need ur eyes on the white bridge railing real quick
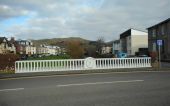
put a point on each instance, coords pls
(80, 64)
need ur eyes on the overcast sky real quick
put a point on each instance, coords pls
(89, 19)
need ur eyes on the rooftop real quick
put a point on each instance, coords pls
(132, 31)
(165, 21)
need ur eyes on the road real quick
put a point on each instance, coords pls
(102, 89)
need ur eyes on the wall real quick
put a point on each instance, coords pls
(138, 41)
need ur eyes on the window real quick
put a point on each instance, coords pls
(163, 30)
(154, 33)
(153, 47)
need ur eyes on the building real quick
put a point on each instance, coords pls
(116, 47)
(52, 50)
(42, 50)
(160, 31)
(30, 50)
(25, 47)
(131, 40)
(25, 42)
(106, 50)
(6, 46)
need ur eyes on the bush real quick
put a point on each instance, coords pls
(7, 61)
(51, 57)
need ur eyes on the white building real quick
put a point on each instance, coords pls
(52, 50)
(106, 50)
(25, 42)
(6, 46)
(131, 40)
(30, 50)
(116, 47)
(42, 50)
(25, 47)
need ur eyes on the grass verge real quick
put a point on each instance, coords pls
(7, 72)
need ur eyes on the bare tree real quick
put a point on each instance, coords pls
(99, 44)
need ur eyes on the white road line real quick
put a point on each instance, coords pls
(15, 89)
(98, 83)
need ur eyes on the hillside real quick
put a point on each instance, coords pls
(59, 41)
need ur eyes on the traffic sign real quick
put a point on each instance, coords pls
(159, 42)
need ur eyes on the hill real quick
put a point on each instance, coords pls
(59, 41)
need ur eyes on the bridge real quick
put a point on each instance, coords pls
(81, 64)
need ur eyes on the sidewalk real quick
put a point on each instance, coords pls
(5, 76)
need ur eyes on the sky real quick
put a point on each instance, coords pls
(89, 19)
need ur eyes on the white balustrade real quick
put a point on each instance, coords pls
(80, 64)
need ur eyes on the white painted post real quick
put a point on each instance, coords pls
(21, 66)
(143, 62)
(43, 64)
(110, 63)
(40, 68)
(113, 63)
(137, 62)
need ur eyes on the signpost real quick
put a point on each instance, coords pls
(159, 43)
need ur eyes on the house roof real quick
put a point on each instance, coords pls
(131, 31)
(8, 42)
(2, 39)
(165, 21)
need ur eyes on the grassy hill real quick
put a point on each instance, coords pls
(59, 41)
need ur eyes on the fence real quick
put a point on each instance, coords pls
(80, 64)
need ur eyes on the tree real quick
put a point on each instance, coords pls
(75, 49)
(91, 51)
(99, 45)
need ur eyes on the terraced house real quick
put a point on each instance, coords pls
(160, 31)
(6, 46)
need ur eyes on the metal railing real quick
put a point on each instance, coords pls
(80, 64)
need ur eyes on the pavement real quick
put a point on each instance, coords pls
(32, 74)
(135, 88)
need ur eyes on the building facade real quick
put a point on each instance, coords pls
(25, 47)
(51, 50)
(42, 50)
(30, 50)
(116, 47)
(6, 46)
(106, 50)
(160, 31)
(131, 40)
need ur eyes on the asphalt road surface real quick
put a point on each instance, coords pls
(104, 89)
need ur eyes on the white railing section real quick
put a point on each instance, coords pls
(80, 64)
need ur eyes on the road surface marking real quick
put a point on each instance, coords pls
(82, 74)
(15, 89)
(98, 83)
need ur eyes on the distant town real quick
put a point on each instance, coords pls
(132, 43)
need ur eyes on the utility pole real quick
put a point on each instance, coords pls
(159, 43)
(159, 56)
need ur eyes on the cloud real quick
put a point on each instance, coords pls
(89, 19)
(8, 12)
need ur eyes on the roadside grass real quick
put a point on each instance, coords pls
(7, 71)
